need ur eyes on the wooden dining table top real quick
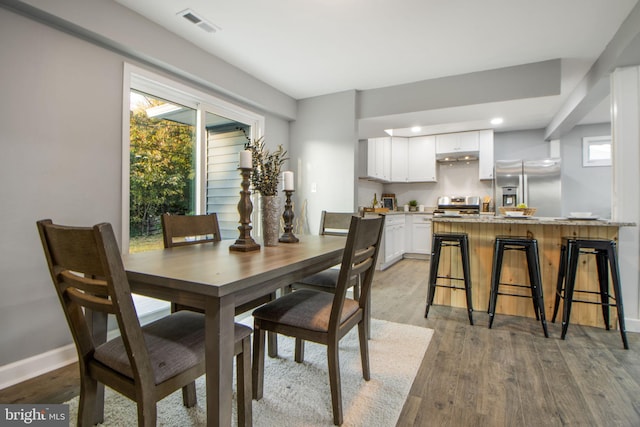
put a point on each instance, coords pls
(211, 269)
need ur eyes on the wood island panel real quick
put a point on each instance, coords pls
(482, 232)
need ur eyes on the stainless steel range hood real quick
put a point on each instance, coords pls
(468, 156)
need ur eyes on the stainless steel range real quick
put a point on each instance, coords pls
(463, 205)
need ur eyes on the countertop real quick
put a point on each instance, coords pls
(408, 213)
(490, 219)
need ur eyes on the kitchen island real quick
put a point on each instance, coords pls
(482, 231)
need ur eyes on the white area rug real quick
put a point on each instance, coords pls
(298, 394)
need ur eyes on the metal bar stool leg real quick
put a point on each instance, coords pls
(536, 285)
(433, 271)
(562, 268)
(603, 283)
(495, 279)
(570, 283)
(464, 253)
(617, 290)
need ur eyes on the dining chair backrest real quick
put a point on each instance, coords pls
(359, 259)
(181, 230)
(88, 273)
(335, 223)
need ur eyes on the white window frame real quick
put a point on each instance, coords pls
(589, 141)
(137, 78)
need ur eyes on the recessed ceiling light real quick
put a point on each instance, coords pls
(497, 121)
(416, 129)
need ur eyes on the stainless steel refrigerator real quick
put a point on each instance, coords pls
(533, 182)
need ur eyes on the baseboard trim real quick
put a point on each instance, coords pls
(632, 325)
(31, 367)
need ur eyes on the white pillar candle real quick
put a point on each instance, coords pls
(245, 159)
(287, 180)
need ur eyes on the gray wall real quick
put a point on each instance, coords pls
(526, 145)
(324, 152)
(584, 189)
(61, 141)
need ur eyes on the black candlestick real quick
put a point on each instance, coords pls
(287, 215)
(245, 242)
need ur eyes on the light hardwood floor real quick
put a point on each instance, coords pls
(473, 376)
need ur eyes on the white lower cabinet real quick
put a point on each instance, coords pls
(404, 235)
(419, 234)
(393, 241)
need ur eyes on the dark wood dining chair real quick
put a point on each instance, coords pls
(182, 230)
(324, 317)
(145, 363)
(331, 224)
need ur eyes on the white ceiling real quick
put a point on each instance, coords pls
(316, 47)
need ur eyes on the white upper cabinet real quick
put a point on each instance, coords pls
(383, 158)
(485, 156)
(422, 159)
(375, 158)
(399, 159)
(457, 142)
(413, 159)
(402, 159)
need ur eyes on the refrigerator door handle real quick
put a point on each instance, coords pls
(524, 196)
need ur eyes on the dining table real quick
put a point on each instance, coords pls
(216, 279)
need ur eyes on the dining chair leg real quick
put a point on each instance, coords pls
(243, 378)
(87, 404)
(367, 316)
(273, 344)
(147, 414)
(364, 349)
(257, 368)
(189, 398)
(334, 381)
(299, 350)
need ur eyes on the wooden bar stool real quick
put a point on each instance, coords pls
(606, 262)
(530, 248)
(461, 241)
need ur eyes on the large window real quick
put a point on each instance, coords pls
(162, 168)
(180, 155)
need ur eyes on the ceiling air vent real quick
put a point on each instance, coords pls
(199, 21)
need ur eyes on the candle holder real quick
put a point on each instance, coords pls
(245, 242)
(287, 215)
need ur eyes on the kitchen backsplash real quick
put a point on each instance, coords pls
(457, 179)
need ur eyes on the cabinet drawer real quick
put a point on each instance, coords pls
(394, 220)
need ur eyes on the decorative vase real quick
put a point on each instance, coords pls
(270, 220)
